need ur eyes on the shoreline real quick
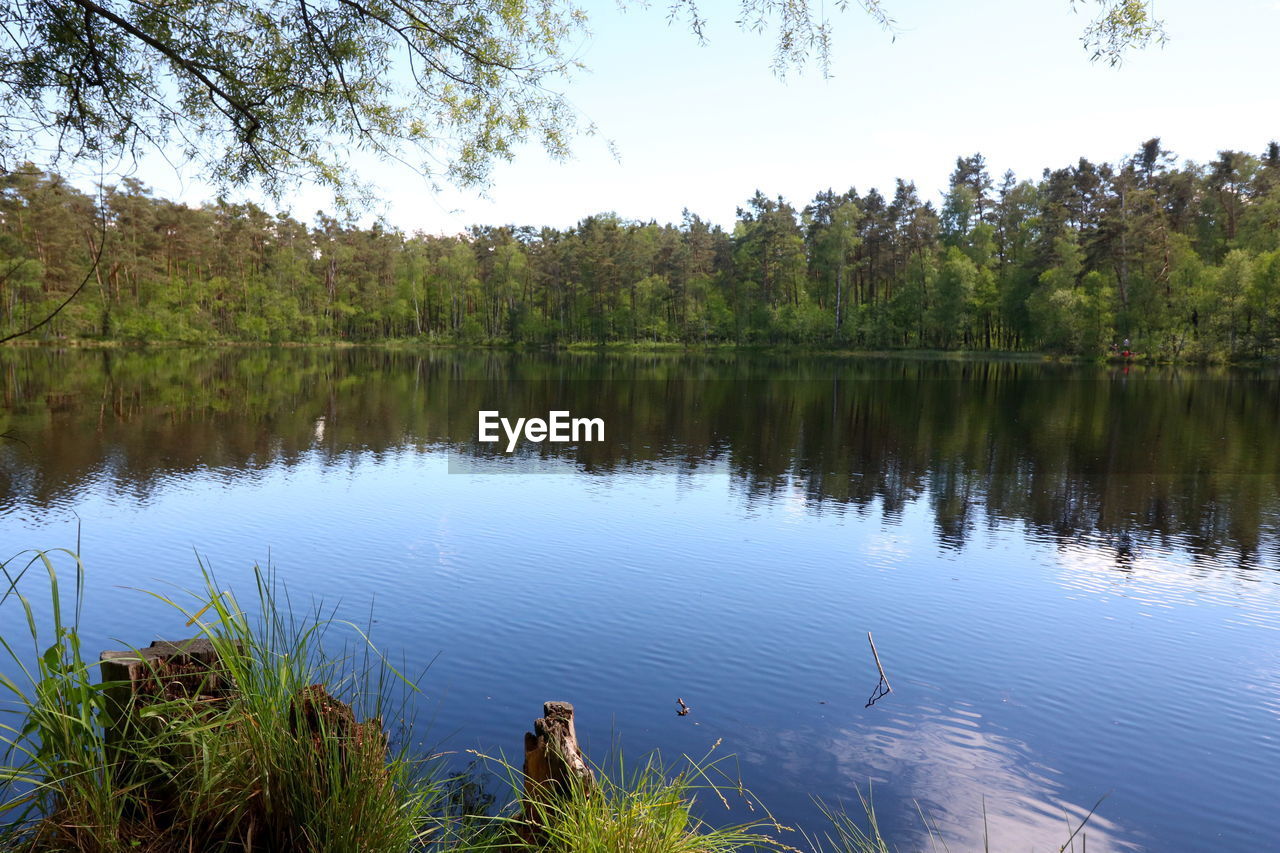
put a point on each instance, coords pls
(632, 348)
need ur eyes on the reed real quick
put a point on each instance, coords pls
(56, 779)
(634, 807)
(296, 758)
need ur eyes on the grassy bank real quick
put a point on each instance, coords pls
(283, 746)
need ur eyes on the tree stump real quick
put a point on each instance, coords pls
(186, 673)
(554, 766)
(164, 671)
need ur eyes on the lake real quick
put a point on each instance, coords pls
(1070, 572)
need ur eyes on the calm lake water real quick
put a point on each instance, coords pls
(1071, 574)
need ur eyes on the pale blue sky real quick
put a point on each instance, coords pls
(703, 127)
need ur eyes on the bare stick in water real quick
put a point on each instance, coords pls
(876, 655)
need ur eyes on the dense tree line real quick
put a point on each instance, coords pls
(1183, 261)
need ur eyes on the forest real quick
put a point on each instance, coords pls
(1171, 261)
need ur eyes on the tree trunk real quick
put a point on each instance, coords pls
(839, 294)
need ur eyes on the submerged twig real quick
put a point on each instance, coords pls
(882, 686)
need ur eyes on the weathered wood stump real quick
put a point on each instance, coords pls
(554, 766)
(187, 673)
(164, 671)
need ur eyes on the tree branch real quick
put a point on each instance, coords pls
(182, 62)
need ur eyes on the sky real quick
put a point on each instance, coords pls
(703, 127)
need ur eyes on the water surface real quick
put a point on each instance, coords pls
(1070, 573)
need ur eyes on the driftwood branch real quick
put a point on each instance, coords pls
(876, 655)
(882, 686)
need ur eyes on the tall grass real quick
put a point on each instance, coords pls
(845, 834)
(301, 760)
(645, 807)
(55, 769)
(296, 758)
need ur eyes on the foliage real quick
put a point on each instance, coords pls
(1180, 261)
(277, 91)
(1121, 25)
